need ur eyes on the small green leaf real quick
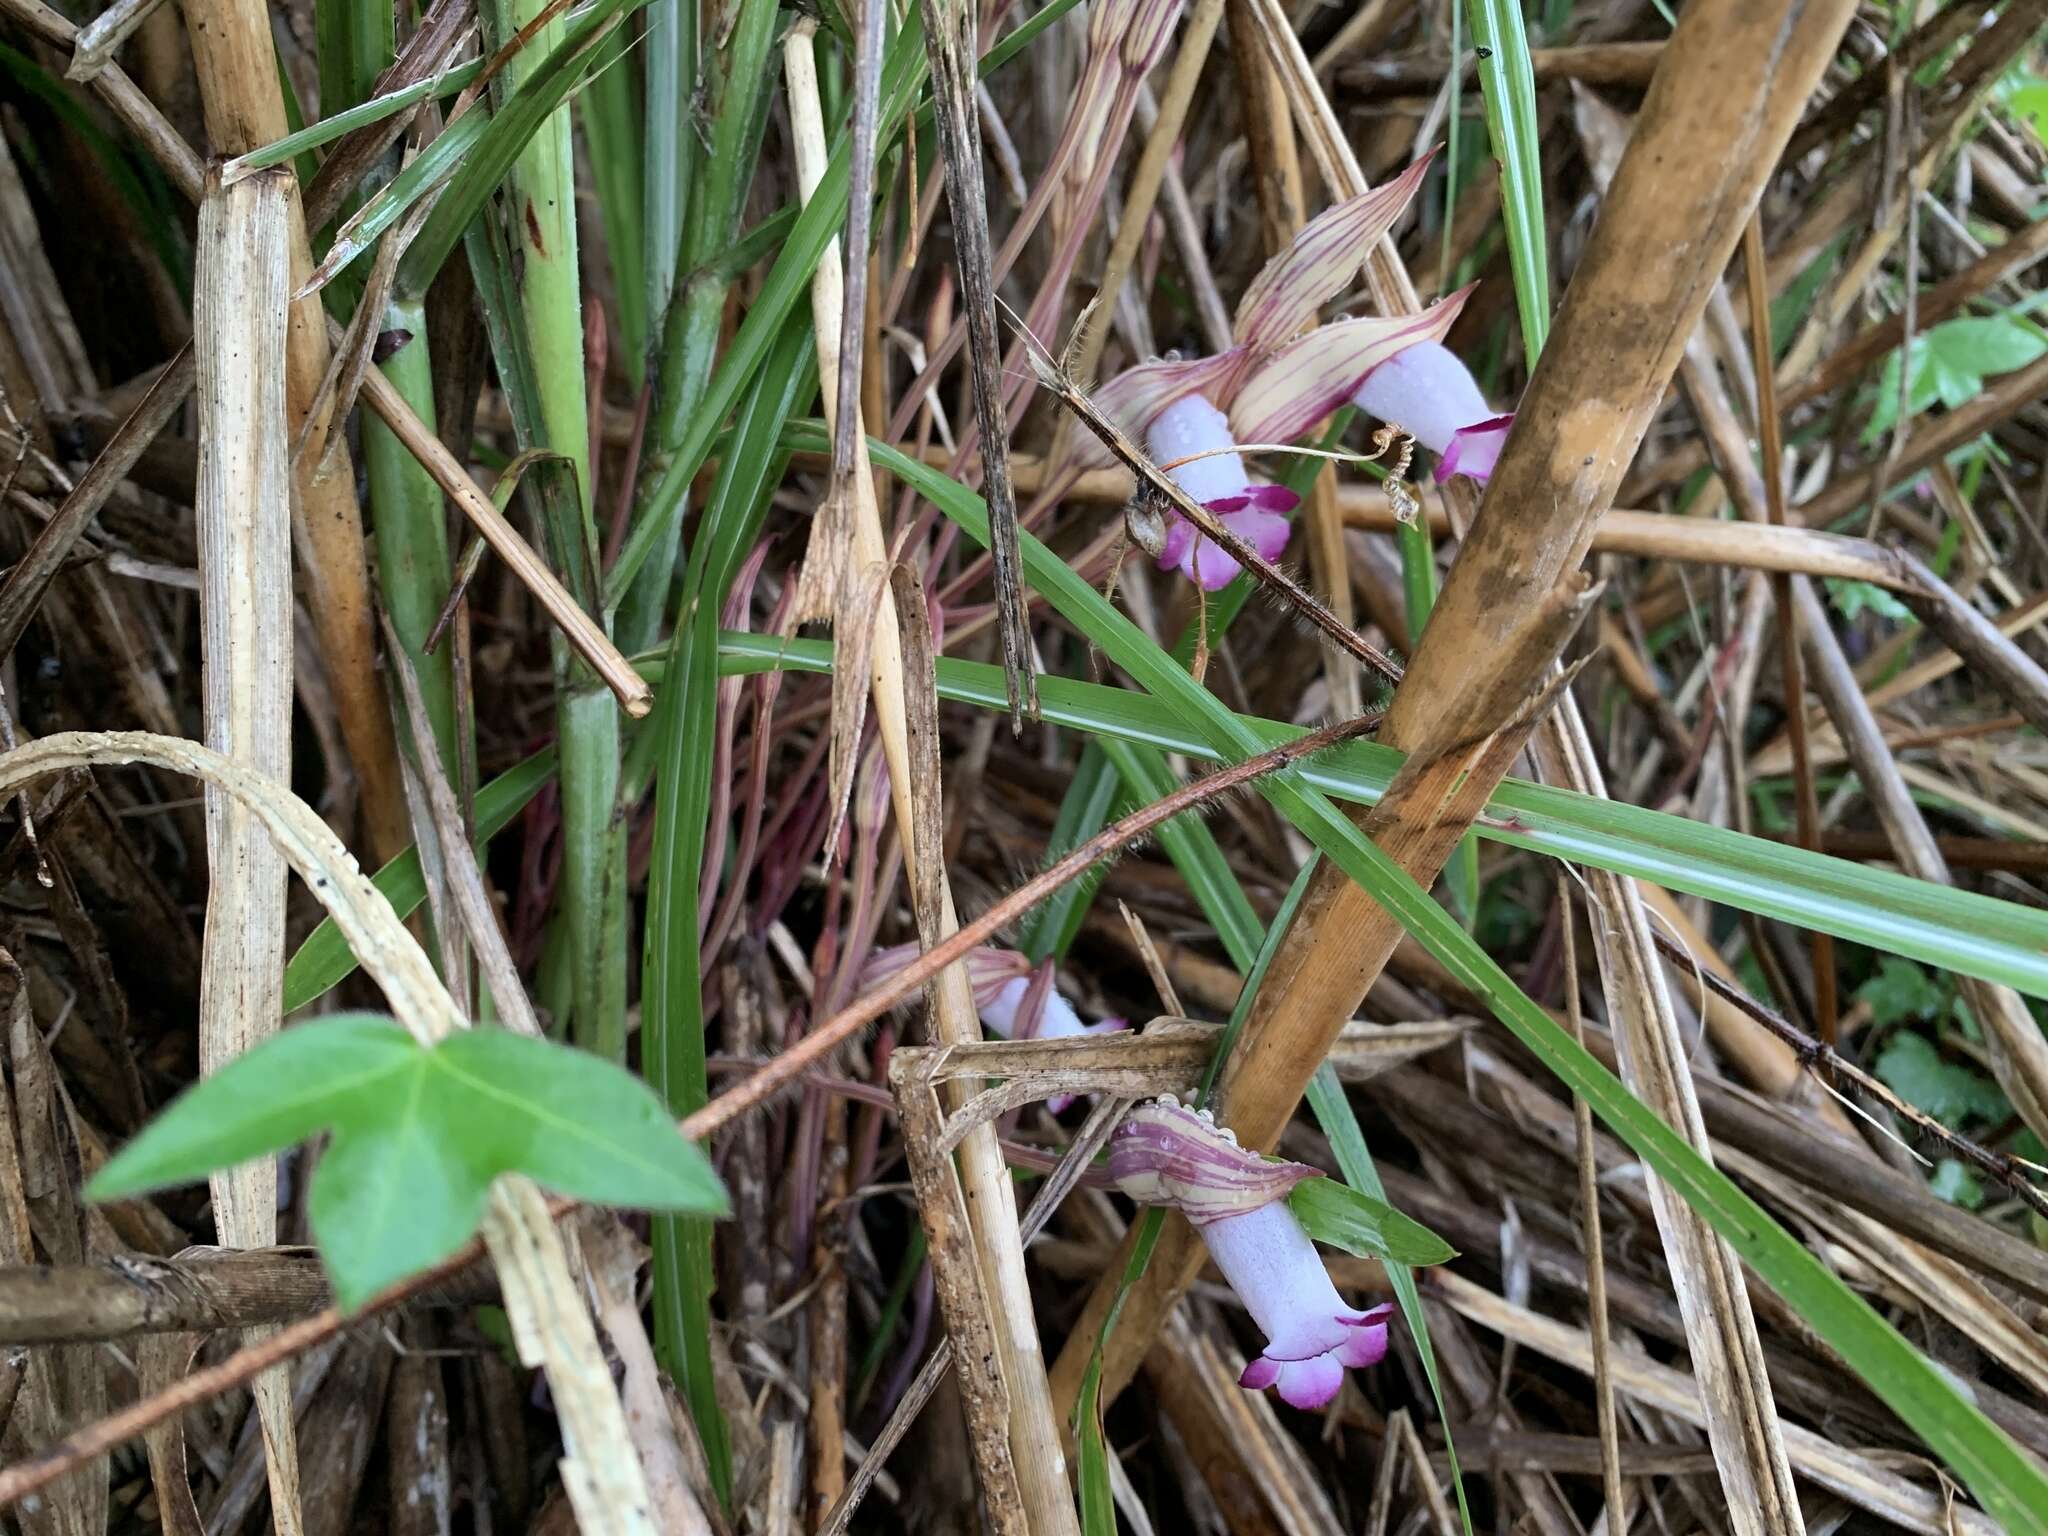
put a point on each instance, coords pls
(1333, 1212)
(418, 1134)
(574, 1122)
(1914, 1070)
(393, 1193)
(263, 1101)
(1853, 597)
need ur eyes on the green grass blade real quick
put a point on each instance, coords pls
(1332, 1109)
(736, 101)
(1094, 792)
(324, 960)
(609, 110)
(1508, 81)
(672, 1017)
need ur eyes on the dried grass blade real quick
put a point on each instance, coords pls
(245, 574)
(949, 27)
(1035, 1441)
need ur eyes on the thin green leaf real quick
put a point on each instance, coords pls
(1507, 80)
(1332, 1212)
(324, 960)
(1332, 1108)
(1958, 930)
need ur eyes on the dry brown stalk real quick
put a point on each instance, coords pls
(949, 35)
(1614, 64)
(582, 632)
(197, 1292)
(1512, 597)
(1864, 1481)
(245, 574)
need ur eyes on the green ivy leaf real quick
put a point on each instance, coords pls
(418, 1134)
(1853, 597)
(1332, 1212)
(1956, 1184)
(1949, 362)
(1900, 991)
(1913, 1069)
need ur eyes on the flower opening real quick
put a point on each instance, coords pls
(1164, 1154)
(1430, 394)
(1188, 426)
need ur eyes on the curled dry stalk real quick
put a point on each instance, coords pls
(410, 986)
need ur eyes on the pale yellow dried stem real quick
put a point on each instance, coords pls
(1035, 1445)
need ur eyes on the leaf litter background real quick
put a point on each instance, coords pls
(622, 282)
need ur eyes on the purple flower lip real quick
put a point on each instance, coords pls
(1164, 1154)
(1475, 449)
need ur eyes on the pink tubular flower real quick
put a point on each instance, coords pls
(1164, 1154)
(1016, 1000)
(1426, 391)
(1274, 382)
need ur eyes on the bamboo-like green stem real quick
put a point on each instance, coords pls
(540, 206)
(706, 211)
(411, 527)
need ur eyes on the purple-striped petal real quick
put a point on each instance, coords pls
(1164, 1154)
(1320, 262)
(1134, 397)
(1297, 386)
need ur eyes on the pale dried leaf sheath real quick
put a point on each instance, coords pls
(984, 1179)
(236, 64)
(550, 1323)
(101, 38)
(245, 587)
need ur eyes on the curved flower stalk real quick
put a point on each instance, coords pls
(1272, 384)
(1016, 1000)
(1165, 1154)
(1432, 396)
